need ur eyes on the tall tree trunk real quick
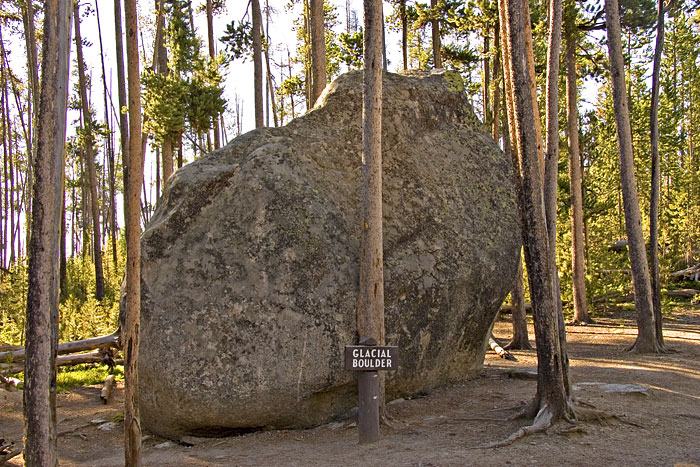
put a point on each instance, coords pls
(646, 337)
(43, 291)
(121, 81)
(161, 67)
(581, 315)
(496, 123)
(133, 177)
(486, 83)
(437, 55)
(32, 71)
(110, 151)
(370, 307)
(404, 33)
(270, 86)
(89, 152)
(656, 178)
(533, 82)
(212, 54)
(318, 49)
(552, 168)
(551, 400)
(520, 338)
(257, 62)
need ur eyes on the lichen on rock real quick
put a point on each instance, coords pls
(250, 263)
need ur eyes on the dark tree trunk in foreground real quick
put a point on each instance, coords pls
(656, 179)
(646, 337)
(581, 315)
(133, 177)
(257, 62)
(370, 306)
(318, 50)
(89, 153)
(520, 338)
(43, 291)
(551, 400)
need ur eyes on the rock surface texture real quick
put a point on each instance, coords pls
(250, 264)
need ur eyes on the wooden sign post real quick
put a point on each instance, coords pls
(368, 358)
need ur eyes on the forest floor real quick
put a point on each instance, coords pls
(659, 415)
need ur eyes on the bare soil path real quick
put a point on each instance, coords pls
(660, 416)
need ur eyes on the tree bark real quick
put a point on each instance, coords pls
(121, 81)
(89, 153)
(43, 291)
(656, 178)
(133, 176)
(110, 151)
(437, 55)
(257, 62)
(404, 33)
(581, 315)
(520, 340)
(212, 54)
(32, 71)
(551, 400)
(318, 50)
(646, 337)
(370, 306)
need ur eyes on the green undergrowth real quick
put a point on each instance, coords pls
(85, 375)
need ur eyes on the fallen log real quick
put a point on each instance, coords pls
(500, 351)
(66, 360)
(683, 293)
(111, 340)
(692, 273)
(107, 387)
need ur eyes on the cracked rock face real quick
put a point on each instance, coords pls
(250, 264)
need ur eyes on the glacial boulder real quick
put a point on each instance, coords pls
(250, 263)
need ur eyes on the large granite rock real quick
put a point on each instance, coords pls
(250, 263)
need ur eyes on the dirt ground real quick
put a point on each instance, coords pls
(659, 416)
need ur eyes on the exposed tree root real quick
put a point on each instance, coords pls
(9, 450)
(573, 413)
(543, 420)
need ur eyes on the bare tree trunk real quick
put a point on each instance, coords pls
(110, 151)
(581, 315)
(656, 178)
(404, 33)
(212, 54)
(133, 177)
(437, 55)
(318, 49)
(121, 80)
(551, 401)
(370, 307)
(486, 83)
(43, 291)
(257, 62)
(520, 340)
(496, 123)
(89, 152)
(32, 71)
(646, 337)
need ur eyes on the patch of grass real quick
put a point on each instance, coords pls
(85, 375)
